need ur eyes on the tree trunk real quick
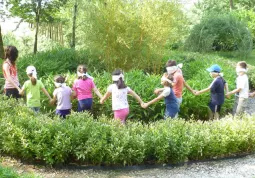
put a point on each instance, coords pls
(231, 4)
(37, 24)
(1, 45)
(74, 24)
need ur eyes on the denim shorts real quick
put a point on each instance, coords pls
(85, 104)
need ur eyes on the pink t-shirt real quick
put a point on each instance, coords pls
(179, 82)
(83, 88)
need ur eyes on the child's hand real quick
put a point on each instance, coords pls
(194, 92)
(157, 91)
(252, 94)
(145, 105)
(228, 94)
(52, 102)
(101, 101)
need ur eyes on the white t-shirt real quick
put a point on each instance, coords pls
(63, 95)
(166, 91)
(243, 83)
(119, 97)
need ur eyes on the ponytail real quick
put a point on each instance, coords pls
(118, 79)
(32, 79)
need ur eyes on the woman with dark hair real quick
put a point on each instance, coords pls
(119, 91)
(11, 86)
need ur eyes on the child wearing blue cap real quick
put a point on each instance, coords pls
(217, 91)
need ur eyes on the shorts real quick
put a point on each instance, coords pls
(214, 108)
(85, 104)
(121, 114)
(63, 112)
(12, 92)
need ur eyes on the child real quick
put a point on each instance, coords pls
(172, 107)
(178, 81)
(217, 91)
(83, 87)
(12, 86)
(32, 88)
(62, 95)
(242, 89)
(119, 92)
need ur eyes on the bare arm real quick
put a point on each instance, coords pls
(159, 97)
(188, 87)
(97, 92)
(46, 93)
(233, 91)
(9, 78)
(131, 92)
(226, 87)
(158, 90)
(107, 95)
(203, 91)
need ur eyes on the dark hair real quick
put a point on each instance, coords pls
(82, 69)
(33, 80)
(59, 79)
(169, 77)
(120, 83)
(243, 64)
(11, 53)
(171, 63)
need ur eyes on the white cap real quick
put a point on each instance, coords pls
(32, 70)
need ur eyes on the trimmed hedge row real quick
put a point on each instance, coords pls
(83, 140)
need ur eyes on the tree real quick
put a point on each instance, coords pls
(1, 45)
(130, 34)
(35, 11)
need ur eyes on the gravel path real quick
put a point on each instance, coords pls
(227, 168)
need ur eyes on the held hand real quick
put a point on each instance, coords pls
(52, 102)
(145, 105)
(194, 92)
(101, 101)
(252, 94)
(20, 91)
(157, 91)
(228, 94)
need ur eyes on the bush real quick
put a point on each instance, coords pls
(57, 61)
(220, 32)
(81, 139)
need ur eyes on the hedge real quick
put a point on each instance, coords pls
(84, 140)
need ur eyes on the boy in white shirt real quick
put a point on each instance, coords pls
(242, 89)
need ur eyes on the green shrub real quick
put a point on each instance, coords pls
(220, 32)
(81, 139)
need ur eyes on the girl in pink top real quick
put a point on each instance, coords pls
(83, 88)
(119, 91)
(11, 86)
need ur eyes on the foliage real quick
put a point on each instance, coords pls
(141, 82)
(130, 34)
(81, 139)
(27, 10)
(220, 32)
(10, 173)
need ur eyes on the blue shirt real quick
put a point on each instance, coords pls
(217, 91)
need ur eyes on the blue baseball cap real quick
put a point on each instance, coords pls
(214, 68)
